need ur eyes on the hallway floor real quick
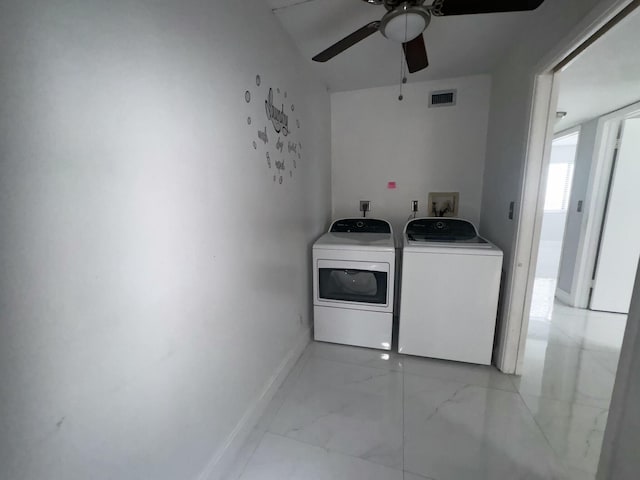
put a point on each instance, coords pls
(353, 413)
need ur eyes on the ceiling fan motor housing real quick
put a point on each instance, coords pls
(405, 22)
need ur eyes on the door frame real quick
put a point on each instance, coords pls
(511, 346)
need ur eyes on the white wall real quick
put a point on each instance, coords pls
(377, 139)
(619, 459)
(152, 273)
(575, 219)
(619, 247)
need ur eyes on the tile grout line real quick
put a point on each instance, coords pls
(355, 363)
(432, 377)
(329, 450)
(266, 427)
(544, 435)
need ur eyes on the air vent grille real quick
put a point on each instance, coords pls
(443, 98)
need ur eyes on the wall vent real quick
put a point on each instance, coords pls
(443, 98)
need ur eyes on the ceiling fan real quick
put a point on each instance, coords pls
(405, 21)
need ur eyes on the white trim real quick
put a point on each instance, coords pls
(510, 346)
(603, 151)
(530, 226)
(223, 458)
(567, 132)
(563, 296)
(590, 24)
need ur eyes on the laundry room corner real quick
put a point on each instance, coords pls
(392, 152)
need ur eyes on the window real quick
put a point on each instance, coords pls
(560, 176)
(558, 187)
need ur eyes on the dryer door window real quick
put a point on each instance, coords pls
(352, 285)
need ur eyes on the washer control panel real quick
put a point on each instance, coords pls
(360, 225)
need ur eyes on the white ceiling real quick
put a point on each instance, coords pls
(456, 45)
(604, 78)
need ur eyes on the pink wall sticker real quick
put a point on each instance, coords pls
(391, 185)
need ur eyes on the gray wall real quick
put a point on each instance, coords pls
(153, 275)
(550, 244)
(573, 229)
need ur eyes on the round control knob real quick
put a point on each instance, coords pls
(359, 224)
(440, 225)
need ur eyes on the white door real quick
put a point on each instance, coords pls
(620, 242)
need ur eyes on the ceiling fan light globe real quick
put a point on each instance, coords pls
(405, 27)
(405, 22)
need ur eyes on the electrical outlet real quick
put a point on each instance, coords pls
(365, 205)
(414, 206)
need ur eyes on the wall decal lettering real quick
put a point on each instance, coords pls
(286, 146)
(279, 119)
(263, 135)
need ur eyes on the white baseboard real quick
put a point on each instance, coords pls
(225, 455)
(564, 297)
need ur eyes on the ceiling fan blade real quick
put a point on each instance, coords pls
(465, 7)
(348, 41)
(415, 52)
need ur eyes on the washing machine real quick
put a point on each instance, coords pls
(353, 283)
(449, 291)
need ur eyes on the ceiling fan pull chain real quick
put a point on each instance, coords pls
(400, 97)
(403, 78)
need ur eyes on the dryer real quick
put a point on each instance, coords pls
(449, 291)
(353, 283)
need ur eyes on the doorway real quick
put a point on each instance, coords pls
(556, 204)
(577, 300)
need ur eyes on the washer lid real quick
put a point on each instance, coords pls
(443, 230)
(356, 241)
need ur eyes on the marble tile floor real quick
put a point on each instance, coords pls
(354, 413)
